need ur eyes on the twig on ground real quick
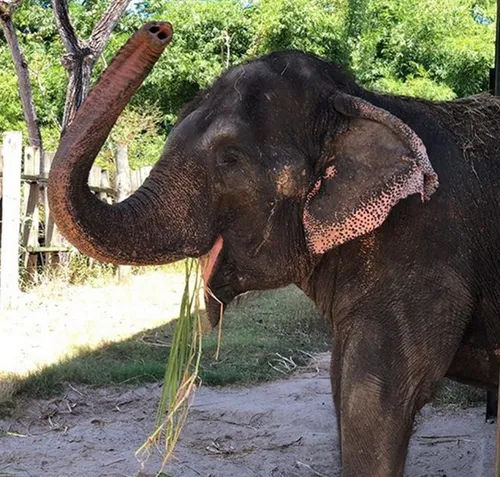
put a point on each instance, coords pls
(217, 448)
(283, 446)
(257, 416)
(314, 361)
(113, 462)
(154, 342)
(76, 390)
(431, 440)
(308, 467)
(122, 403)
(233, 423)
(4, 432)
(287, 363)
(194, 470)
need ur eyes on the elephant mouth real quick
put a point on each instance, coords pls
(218, 282)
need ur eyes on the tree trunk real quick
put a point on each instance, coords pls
(79, 69)
(123, 190)
(25, 91)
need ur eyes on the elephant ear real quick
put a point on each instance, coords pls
(377, 161)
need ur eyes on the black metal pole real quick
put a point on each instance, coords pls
(496, 91)
(492, 404)
(496, 84)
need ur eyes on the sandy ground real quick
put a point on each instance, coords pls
(282, 429)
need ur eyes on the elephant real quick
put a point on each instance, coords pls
(382, 209)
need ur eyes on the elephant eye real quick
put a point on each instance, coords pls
(228, 157)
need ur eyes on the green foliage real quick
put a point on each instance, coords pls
(42, 49)
(456, 395)
(141, 130)
(78, 269)
(315, 26)
(450, 42)
(418, 87)
(11, 117)
(435, 50)
(209, 37)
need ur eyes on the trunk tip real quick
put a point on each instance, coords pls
(159, 31)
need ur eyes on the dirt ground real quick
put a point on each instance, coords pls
(280, 429)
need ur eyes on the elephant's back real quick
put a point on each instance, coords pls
(474, 123)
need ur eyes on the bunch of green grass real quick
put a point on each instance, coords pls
(181, 374)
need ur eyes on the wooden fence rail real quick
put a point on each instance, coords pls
(26, 226)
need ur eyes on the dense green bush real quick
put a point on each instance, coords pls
(447, 44)
(435, 50)
(316, 26)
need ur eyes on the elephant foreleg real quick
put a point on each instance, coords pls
(380, 380)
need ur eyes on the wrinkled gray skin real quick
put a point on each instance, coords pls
(410, 301)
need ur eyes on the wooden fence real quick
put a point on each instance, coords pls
(26, 226)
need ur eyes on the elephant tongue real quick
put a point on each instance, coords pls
(209, 261)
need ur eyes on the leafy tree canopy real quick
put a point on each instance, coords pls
(425, 48)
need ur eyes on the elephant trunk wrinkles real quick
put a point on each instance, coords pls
(143, 229)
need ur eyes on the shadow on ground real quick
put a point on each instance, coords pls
(265, 336)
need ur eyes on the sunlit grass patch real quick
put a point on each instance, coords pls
(8, 387)
(57, 322)
(256, 331)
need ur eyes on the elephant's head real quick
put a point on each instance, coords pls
(278, 162)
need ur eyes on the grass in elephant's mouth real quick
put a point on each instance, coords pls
(264, 337)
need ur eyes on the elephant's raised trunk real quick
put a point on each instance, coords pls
(157, 223)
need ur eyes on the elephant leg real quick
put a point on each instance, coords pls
(381, 377)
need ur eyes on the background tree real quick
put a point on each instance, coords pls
(436, 50)
(7, 10)
(81, 55)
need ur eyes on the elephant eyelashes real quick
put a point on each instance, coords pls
(228, 160)
(229, 157)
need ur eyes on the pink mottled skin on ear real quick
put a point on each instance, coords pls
(373, 206)
(314, 190)
(322, 237)
(330, 172)
(367, 252)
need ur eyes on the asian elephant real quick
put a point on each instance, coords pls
(382, 209)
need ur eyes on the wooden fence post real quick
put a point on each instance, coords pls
(135, 179)
(30, 203)
(105, 185)
(123, 190)
(11, 204)
(52, 236)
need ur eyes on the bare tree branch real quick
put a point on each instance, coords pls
(80, 69)
(81, 54)
(7, 9)
(104, 27)
(64, 26)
